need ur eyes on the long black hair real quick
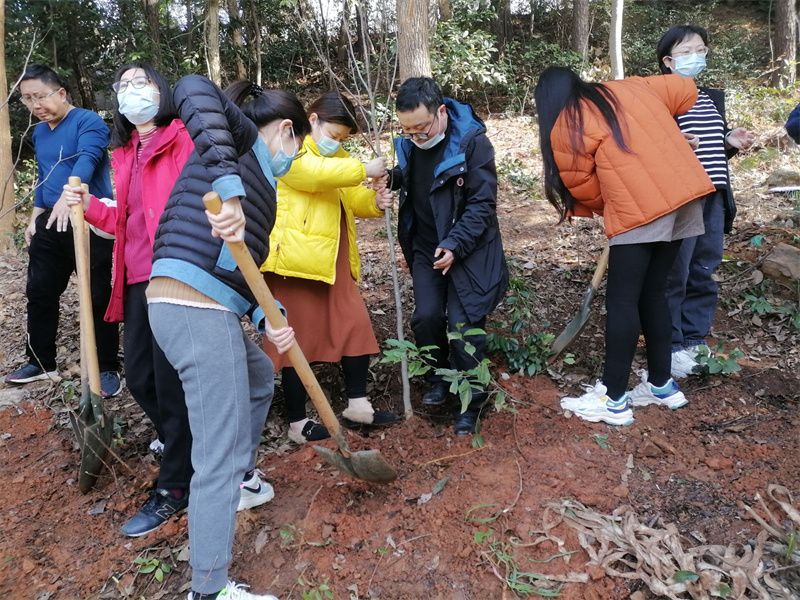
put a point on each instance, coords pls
(263, 106)
(332, 107)
(121, 128)
(561, 90)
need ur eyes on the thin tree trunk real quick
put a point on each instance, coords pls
(235, 23)
(615, 39)
(580, 28)
(785, 36)
(341, 44)
(412, 38)
(445, 10)
(212, 42)
(502, 23)
(256, 43)
(189, 27)
(6, 160)
(151, 16)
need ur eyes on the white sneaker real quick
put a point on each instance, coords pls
(683, 364)
(670, 395)
(255, 492)
(596, 406)
(235, 591)
(157, 448)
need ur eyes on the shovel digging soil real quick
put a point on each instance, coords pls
(92, 427)
(578, 322)
(368, 465)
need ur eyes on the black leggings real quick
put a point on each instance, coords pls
(636, 301)
(355, 370)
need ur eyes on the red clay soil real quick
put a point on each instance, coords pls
(693, 467)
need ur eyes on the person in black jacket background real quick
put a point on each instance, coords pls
(448, 231)
(197, 297)
(691, 289)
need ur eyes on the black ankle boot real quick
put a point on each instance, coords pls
(436, 395)
(467, 421)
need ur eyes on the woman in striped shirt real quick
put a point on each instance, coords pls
(691, 289)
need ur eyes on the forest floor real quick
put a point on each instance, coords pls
(467, 518)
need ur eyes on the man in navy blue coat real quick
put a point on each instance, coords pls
(448, 231)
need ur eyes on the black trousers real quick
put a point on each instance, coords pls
(50, 265)
(437, 310)
(355, 370)
(155, 385)
(636, 301)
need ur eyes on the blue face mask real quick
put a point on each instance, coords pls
(281, 162)
(328, 146)
(690, 65)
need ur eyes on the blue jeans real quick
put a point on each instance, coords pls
(691, 290)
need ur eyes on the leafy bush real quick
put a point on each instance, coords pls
(463, 60)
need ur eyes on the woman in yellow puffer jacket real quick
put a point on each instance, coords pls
(313, 264)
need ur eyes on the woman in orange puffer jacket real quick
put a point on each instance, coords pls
(614, 149)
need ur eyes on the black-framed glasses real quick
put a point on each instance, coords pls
(29, 100)
(421, 137)
(136, 83)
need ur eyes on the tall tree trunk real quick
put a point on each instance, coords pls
(341, 45)
(6, 160)
(151, 16)
(188, 6)
(615, 39)
(255, 46)
(412, 38)
(502, 22)
(212, 42)
(580, 28)
(84, 86)
(785, 43)
(445, 10)
(235, 23)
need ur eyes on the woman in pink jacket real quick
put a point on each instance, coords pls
(150, 146)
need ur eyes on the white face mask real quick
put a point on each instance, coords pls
(139, 106)
(429, 143)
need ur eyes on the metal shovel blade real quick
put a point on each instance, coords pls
(95, 442)
(576, 325)
(368, 465)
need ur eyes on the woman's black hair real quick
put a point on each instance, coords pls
(675, 35)
(263, 106)
(121, 128)
(561, 90)
(47, 76)
(332, 107)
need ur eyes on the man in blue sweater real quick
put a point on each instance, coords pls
(68, 141)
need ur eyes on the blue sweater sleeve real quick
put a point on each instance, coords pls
(793, 124)
(92, 135)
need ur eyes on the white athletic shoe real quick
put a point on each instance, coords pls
(235, 591)
(683, 364)
(255, 492)
(670, 395)
(596, 406)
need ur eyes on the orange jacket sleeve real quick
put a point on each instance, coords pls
(678, 93)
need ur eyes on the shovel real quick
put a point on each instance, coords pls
(578, 322)
(92, 428)
(368, 465)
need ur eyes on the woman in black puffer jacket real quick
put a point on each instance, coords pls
(197, 297)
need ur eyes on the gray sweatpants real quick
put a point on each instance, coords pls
(228, 383)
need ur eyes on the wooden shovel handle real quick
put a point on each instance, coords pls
(88, 340)
(602, 265)
(255, 281)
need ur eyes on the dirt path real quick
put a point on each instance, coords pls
(694, 467)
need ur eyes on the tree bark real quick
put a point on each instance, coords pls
(235, 23)
(445, 10)
(341, 44)
(212, 42)
(6, 160)
(412, 39)
(615, 39)
(785, 43)
(255, 46)
(580, 28)
(502, 22)
(189, 27)
(151, 16)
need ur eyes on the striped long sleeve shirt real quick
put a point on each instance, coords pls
(704, 121)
